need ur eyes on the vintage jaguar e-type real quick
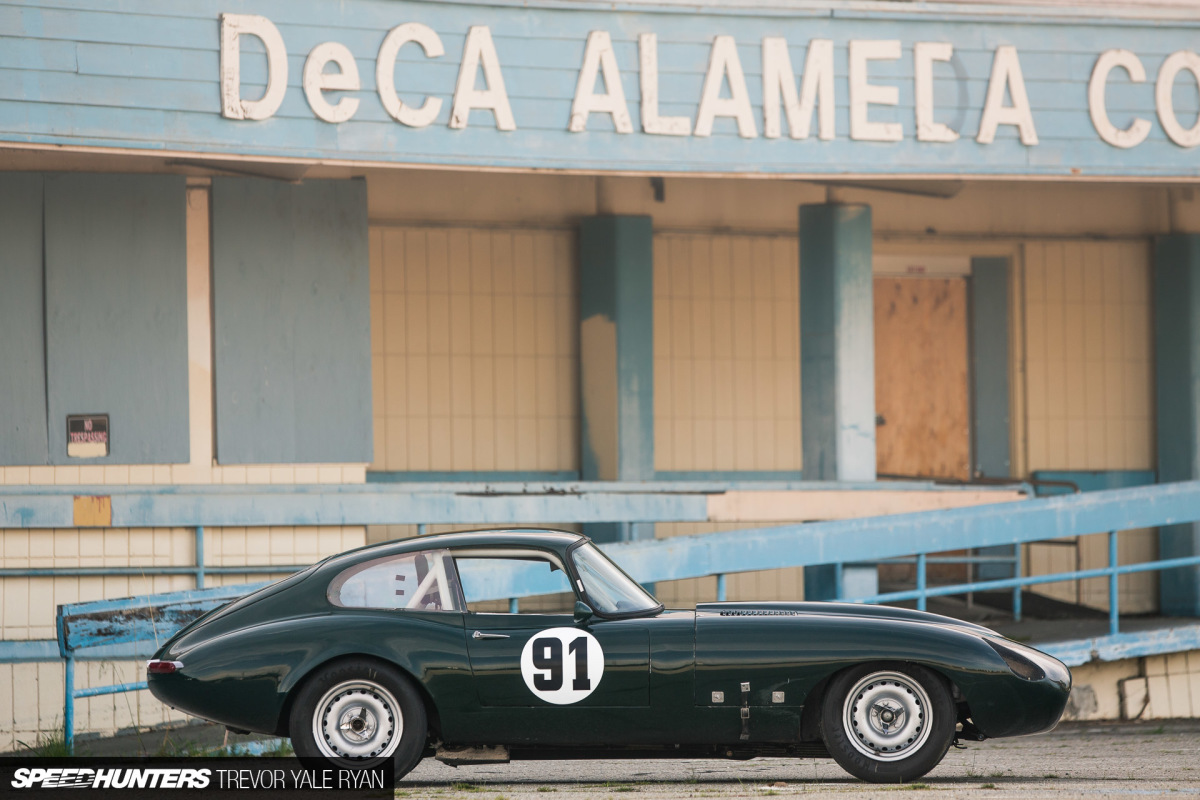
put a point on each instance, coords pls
(394, 651)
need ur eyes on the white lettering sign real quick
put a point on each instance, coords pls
(480, 52)
(651, 121)
(863, 94)
(1139, 129)
(316, 81)
(780, 82)
(723, 64)
(385, 73)
(1006, 75)
(599, 58)
(1163, 99)
(924, 54)
(233, 27)
(331, 67)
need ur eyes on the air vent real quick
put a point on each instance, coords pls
(760, 613)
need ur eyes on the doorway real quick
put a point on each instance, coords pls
(922, 397)
(922, 401)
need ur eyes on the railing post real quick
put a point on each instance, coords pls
(512, 605)
(1114, 613)
(921, 581)
(1018, 568)
(69, 704)
(199, 556)
(721, 587)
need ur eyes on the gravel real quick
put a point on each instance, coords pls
(1076, 760)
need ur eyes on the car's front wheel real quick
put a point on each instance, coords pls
(358, 714)
(888, 723)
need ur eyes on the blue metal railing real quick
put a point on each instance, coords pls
(719, 554)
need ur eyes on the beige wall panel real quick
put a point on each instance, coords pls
(475, 365)
(726, 352)
(1089, 356)
(1089, 389)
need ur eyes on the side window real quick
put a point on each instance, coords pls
(487, 582)
(420, 581)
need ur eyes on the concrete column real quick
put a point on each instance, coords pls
(616, 357)
(990, 436)
(1177, 383)
(837, 355)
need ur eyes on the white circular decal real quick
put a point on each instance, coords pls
(562, 665)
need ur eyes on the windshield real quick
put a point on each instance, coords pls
(609, 590)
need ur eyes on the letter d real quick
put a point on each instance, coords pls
(232, 104)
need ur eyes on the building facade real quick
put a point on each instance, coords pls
(253, 244)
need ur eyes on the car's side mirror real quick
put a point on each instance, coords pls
(583, 612)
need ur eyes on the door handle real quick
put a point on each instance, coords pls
(482, 635)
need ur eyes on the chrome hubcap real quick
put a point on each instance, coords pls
(887, 716)
(357, 719)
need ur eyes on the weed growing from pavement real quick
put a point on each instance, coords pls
(49, 745)
(988, 786)
(918, 786)
(462, 786)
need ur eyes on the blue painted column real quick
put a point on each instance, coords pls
(990, 439)
(616, 357)
(1177, 381)
(837, 355)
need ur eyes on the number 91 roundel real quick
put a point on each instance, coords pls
(562, 665)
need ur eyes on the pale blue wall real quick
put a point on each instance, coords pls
(144, 75)
(22, 342)
(116, 313)
(291, 321)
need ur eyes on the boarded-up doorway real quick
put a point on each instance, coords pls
(921, 391)
(921, 399)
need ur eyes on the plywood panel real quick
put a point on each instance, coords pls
(921, 377)
(291, 321)
(116, 313)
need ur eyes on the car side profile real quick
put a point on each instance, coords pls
(400, 651)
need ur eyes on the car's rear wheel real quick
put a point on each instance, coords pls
(888, 723)
(358, 714)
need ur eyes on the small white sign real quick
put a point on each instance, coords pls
(562, 665)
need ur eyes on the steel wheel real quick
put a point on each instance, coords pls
(888, 722)
(357, 719)
(888, 714)
(358, 713)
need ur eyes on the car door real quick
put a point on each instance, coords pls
(537, 654)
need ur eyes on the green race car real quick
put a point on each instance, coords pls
(400, 651)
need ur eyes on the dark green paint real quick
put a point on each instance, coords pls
(241, 663)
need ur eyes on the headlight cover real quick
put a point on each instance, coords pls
(1021, 663)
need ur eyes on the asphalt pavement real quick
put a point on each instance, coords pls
(1076, 760)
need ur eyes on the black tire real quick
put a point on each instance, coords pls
(383, 715)
(888, 722)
